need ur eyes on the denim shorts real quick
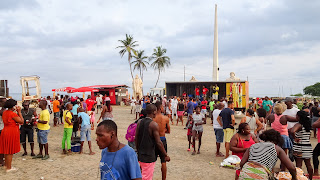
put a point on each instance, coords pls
(42, 136)
(85, 133)
(219, 135)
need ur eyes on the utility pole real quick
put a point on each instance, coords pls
(184, 72)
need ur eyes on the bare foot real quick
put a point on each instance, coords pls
(32, 154)
(198, 152)
(219, 154)
(64, 152)
(69, 152)
(193, 153)
(92, 153)
(24, 154)
(80, 152)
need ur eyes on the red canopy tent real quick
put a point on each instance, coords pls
(84, 89)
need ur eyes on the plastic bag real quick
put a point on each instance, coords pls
(232, 161)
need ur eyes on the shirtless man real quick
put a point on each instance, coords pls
(164, 127)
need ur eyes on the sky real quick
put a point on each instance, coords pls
(274, 44)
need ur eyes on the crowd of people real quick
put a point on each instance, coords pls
(270, 130)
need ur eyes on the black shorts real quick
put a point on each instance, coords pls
(23, 134)
(75, 123)
(99, 106)
(158, 152)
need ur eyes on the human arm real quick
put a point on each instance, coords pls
(233, 120)
(254, 138)
(270, 118)
(168, 129)
(136, 139)
(290, 118)
(18, 119)
(297, 127)
(243, 120)
(155, 132)
(219, 121)
(316, 124)
(260, 126)
(102, 113)
(234, 143)
(245, 158)
(68, 119)
(80, 122)
(287, 162)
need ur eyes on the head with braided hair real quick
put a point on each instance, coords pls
(304, 120)
(244, 129)
(273, 136)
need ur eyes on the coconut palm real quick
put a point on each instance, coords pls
(160, 61)
(140, 63)
(128, 46)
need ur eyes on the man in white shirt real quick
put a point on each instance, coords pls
(99, 102)
(174, 107)
(218, 129)
(290, 111)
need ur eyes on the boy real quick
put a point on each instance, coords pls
(43, 130)
(68, 126)
(84, 121)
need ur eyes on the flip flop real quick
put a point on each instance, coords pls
(193, 153)
(11, 170)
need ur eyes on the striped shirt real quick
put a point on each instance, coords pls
(264, 153)
(304, 145)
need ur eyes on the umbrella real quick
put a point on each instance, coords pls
(65, 89)
(84, 89)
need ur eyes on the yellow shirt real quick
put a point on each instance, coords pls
(44, 116)
(69, 115)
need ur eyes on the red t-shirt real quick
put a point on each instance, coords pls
(204, 91)
(90, 104)
(204, 103)
(184, 94)
(197, 91)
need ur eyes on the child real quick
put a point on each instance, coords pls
(92, 118)
(84, 120)
(189, 134)
(68, 127)
(198, 120)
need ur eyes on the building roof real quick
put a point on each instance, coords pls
(107, 86)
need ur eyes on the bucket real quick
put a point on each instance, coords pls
(75, 147)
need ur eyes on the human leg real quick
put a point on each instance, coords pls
(194, 133)
(8, 160)
(164, 170)
(309, 168)
(315, 160)
(23, 138)
(69, 134)
(199, 137)
(30, 140)
(228, 133)
(298, 162)
(219, 139)
(64, 139)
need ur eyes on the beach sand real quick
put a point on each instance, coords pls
(74, 167)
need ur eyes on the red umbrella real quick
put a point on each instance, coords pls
(85, 89)
(65, 89)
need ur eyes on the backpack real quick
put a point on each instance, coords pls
(131, 132)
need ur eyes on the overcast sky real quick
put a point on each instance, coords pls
(275, 43)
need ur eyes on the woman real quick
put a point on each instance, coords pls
(279, 123)
(242, 140)
(262, 157)
(316, 150)
(168, 110)
(262, 114)
(255, 124)
(180, 112)
(302, 149)
(106, 113)
(198, 120)
(10, 135)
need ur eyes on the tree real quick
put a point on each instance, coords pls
(140, 63)
(313, 90)
(160, 61)
(298, 95)
(128, 46)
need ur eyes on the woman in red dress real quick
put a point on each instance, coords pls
(10, 135)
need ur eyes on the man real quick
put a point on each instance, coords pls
(56, 110)
(211, 105)
(190, 108)
(164, 103)
(90, 103)
(227, 120)
(315, 114)
(68, 127)
(84, 120)
(99, 102)
(132, 104)
(224, 101)
(197, 92)
(2, 101)
(290, 111)
(49, 104)
(27, 127)
(43, 130)
(147, 138)
(218, 128)
(204, 91)
(164, 127)
(118, 161)
(267, 105)
(174, 107)
(204, 104)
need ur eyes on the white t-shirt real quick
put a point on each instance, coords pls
(1, 122)
(48, 104)
(215, 115)
(291, 112)
(225, 104)
(133, 102)
(99, 100)
(174, 103)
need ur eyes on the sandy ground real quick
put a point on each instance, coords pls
(182, 165)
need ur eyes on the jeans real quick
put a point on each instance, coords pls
(67, 132)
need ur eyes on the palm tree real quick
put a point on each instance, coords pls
(128, 46)
(160, 61)
(140, 63)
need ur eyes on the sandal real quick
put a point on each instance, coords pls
(11, 170)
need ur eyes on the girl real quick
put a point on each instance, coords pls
(92, 118)
(181, 109)
(198, 120)
(189, 134)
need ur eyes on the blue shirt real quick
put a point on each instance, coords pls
(190, 107)
(125, 164)
(225, 114)
(85, 118)
(74, 109)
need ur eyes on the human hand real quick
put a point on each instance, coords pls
(18, 108)
(167, 159)
(297, 140)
